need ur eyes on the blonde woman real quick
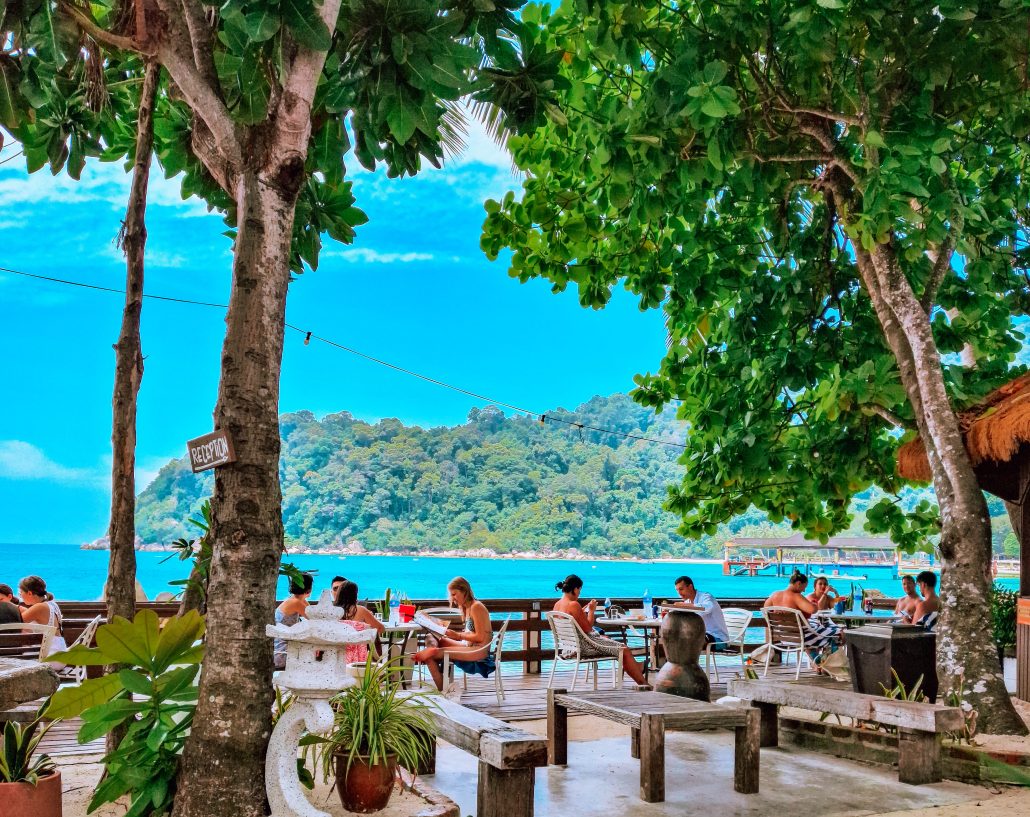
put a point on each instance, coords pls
(470, 645)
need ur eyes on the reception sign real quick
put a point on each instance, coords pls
(210, 451)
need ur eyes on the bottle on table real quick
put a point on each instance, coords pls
(607, 606)
(647, 604)
(868, 605)
(395, 610)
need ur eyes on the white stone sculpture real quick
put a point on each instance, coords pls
(316, 669)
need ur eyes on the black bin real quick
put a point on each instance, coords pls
(876, 649)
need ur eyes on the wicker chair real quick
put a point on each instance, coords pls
(572, 645)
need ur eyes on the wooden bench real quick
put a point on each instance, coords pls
(508, 757)
(649, 714)
(919, 725)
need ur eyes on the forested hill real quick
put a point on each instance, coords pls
(506, 484)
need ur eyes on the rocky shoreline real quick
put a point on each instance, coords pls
(355, 548)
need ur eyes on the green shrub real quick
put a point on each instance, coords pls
(1003, 616)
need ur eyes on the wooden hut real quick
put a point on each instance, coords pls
(997, 436)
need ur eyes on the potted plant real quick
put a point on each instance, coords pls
(30, 784)
(378, 727)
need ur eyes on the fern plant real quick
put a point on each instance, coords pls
(19, 762)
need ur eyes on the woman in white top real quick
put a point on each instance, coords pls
(42, 609)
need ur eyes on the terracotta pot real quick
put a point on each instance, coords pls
(407, 612)
(41, 800)
(363, 788)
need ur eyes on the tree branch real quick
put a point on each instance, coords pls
(101, 35)
(293, 114)
(941, 265)
(799, 157)
(201, 39)
(889, 416)
(832, 116)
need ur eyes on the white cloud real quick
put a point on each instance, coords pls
(370, 256)
(101, 182)
(24, 461)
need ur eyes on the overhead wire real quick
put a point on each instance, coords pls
(544, 417)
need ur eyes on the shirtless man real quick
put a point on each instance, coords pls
(926, 611)
(793, 596)
(907, 604)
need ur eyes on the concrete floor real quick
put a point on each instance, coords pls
(601, 778)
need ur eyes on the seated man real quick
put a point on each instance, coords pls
(907, 604)
(925, 613)
(10, 613)
(706, 606)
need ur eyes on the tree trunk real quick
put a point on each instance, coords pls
(223, 765)
(966, 655)
(120, 590)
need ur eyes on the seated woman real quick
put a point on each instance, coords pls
(470, 645)
(824, 594)
(289, 613)
(357, 616)
(40, 608)
(585, 615)
(820, 632)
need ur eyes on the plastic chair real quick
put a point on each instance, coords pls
(85, 639)
(785, 634)
(737, 621)
(570, 644)
(18, 640)
(496, 648)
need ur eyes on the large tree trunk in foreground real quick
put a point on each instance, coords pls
(120, 590)
(223, 765)
(966, 655)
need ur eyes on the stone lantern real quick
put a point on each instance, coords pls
(316, 669)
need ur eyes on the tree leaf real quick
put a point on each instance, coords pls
(305, 24)
(261, 25)
(72, 701)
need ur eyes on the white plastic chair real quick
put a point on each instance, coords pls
(78, 674)
(29, 651)
(785, 634)
(496, 648)
(570, 643)
(737, 621)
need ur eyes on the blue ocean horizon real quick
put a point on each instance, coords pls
(73, 573)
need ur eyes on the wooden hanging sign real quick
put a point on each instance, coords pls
(210, 451)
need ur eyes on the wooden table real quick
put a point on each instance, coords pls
(649, 714)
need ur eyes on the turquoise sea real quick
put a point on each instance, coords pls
(73, 573)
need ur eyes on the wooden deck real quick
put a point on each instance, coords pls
(525, 700)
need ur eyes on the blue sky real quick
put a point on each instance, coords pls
(414, 289)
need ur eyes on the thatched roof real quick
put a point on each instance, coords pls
(994, 430)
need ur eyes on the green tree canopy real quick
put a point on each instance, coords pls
(829, 200)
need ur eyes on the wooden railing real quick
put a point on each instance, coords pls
(528, 618)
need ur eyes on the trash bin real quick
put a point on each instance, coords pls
(876, 649)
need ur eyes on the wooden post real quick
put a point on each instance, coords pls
(557, 730)
(505, 792)
(770, 723)
(652, 758)
(919, 757)
(747, 739)
(634, 742)
(531, 641)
